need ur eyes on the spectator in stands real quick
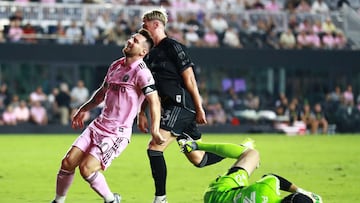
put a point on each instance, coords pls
(348, 119)
(91, 33)
(210, 38)
(17, 15)
(38, 114)
(287, 39)
(22, 112)
(303, 7)
(134, 25)
(29, 34)
(319, 120)
(177, 34)
(328, 40)
(293, 112)
(104, 22)
(117, 35)
(328, 26)
(52, 108)
(79, 94)
(317, 27)
(5, 96)
(348, 96)
(247, 27)
(219, 24)
(340, 40)
(231, 38)
(8, 116)
(335, 96)
(306, 25)
(38, 95)
(215, 114)
(73, 33)
(193, 6)
(258, 5)
(333, 101)
(272, 6)
(192, 38)
(319, 7)
(15, 101)
(193, 23)
(293, 23)
(15, 32)
(302, 40)
(59, 33)
(313, 39)
(272, 40)
(234, 22)
(306, 116)
(252, 101)
(63, 100)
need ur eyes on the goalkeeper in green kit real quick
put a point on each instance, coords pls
(234, 187)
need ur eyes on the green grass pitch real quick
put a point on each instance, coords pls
(327, 165)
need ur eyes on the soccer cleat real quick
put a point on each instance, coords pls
(248, 142)
(53, 201)
(187, 146)
(316, 198)
(117, 198)
(160, 199)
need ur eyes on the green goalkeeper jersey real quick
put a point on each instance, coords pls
(234, 188)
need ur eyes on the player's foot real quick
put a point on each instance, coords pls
(117, 198)
(248, 142)
(160, 199)
(187, 145)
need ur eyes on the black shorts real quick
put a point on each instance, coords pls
(180, 122)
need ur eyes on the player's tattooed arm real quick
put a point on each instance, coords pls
(96, 98)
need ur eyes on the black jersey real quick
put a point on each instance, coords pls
(167, 61)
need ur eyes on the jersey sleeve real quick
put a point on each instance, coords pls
(179, 55)
(145, 80)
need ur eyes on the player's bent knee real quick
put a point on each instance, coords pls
(85, 170)
(68, 164)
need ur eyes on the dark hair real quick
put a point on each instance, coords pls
(148, 37)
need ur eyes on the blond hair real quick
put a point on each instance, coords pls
(157, 14)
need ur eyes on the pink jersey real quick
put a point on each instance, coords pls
(123, 97)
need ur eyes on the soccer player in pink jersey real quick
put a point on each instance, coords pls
(126, 85)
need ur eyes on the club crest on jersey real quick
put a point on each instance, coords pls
(125, 78)
(178, 98)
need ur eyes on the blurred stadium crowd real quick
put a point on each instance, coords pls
(258, 24)
(273, 24)
(339, 111)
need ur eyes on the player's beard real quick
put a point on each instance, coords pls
(128, 52)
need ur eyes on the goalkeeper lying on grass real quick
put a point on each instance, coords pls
(234, 187)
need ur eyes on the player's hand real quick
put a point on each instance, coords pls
(158, 138)
(201, 117)
(78, 120)
(142, 123)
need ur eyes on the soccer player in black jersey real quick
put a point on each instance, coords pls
(181, 103)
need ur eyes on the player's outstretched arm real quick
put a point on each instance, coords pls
(155, 114)
(191, 86)
(96, 99)
(142, 121)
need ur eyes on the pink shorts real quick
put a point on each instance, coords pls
(105, 148)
